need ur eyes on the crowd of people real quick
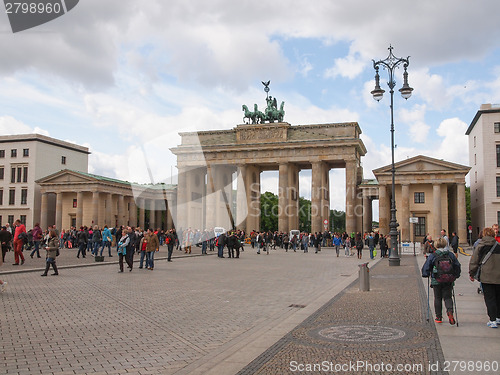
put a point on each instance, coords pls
(441, 267)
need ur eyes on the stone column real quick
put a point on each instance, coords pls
(253, 195)
(182, 199)
(405, 213)
(170, 221)
(241, 199)
(44, 214)
(293, 197)
(211, 198)
(283, 198)
(350, 189)
(132, 212)
(121, 210)
(79, 209)
(152, 214)
(95, 208)
(436, 211)
(325, 195)
(109, 210)
(142, 212)
(461, 213)
(59, 210)
(367, 212)
(316, 191)
(383, 211)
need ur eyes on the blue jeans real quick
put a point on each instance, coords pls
(108, 244)
(141, 262)
(96, 246)
(220, 251)
(371, 252)
(150, 259)
(36, 249)
(82, 247)
(204, 247)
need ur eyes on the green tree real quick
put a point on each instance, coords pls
(337, 221)
(304, 215)
(269, 211)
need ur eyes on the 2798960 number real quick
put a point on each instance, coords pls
(33, 8)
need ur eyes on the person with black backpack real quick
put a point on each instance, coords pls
(443, 267)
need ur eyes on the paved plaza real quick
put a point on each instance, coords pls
(260, 314)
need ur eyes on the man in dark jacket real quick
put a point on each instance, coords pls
(129, 257)
(5, 238)
(454, 243)
(82, 238)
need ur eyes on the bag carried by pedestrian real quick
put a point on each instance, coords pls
(443, 268)
(477, 276)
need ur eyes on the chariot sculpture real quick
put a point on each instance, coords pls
(270, 114)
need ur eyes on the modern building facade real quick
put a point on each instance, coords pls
(23, 160)
(484, 157)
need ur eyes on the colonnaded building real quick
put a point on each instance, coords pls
(65, 194)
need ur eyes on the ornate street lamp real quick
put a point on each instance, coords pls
(390, 64)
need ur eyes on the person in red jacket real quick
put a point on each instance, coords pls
(18, 242)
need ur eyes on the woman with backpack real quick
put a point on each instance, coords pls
(443, 268)
(52, 249)
(486, 258)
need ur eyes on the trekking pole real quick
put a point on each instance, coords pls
(455, 303)
(428, 304)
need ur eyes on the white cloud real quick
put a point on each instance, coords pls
(10, 126)
(350, 66)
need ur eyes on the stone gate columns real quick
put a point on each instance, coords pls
(283, 198)
(182, 199)
(436, 196)
(320, 200)
(142, 212)
(79, 209)
(95, 207)
(44, 214)
(121, 210)
(241, 198)
(405, 213)
(132, 211)
(109, 210)
(384, 207)
(252, 184)
(351, 190)
(223, 184)
(152, 214)
(293, 197)
(461, 213)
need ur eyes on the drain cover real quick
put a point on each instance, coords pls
(361, 333)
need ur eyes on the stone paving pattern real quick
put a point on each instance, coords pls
(396, 300)
(95, 320)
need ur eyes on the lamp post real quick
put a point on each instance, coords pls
(390, 64)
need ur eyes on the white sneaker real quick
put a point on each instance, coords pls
(3, 286)
(498, 321)
(492, 324)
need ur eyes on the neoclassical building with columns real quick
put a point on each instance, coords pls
(428, 189)
(72, 198)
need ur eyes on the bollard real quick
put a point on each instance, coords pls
(364, 277)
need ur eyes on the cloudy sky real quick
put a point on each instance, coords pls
(124, 76)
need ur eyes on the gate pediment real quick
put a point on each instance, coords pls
(262, 133)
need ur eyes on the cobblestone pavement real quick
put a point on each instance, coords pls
(166, 321)
(385, 329)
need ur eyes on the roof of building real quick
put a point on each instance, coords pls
(485, 108)
(43, 139)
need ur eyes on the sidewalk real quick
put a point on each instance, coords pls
(472, 340)
(67, 259)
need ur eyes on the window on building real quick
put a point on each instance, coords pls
(13, 153)
(23, 219)
(75, 203)
(498, 155)
(13, 175)
(474, 141)
(10, 220)
(19, 174)
(2, 153)
(2, 172)
(24, 196)
(12, 197)
(26, 152)
(1, 220)
(419, 197)
(25, 174)
(1, 197)
(63, 159)
(496, 126)
(475, 177)
(420, 227)
(475, 159)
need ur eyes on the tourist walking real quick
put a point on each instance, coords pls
(37, 236)
(170, 240)
(82, 238)
(3, 284)
(52, 248)
(152, 246)
(443, 268)
(19, 242)
(486, 258)
(96, 240)
(107, 240)
(5, 240)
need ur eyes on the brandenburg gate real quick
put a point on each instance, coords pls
(209, 161)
